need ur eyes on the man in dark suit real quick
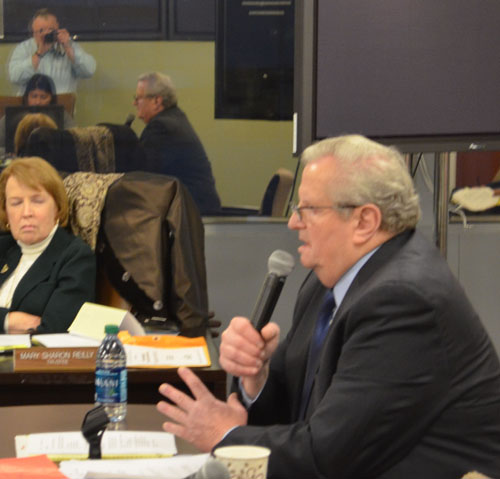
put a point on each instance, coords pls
(171, 145)
(406, 383)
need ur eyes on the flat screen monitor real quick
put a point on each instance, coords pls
(421, 74)
(14, 114)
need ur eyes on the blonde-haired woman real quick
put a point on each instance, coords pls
(30, 122)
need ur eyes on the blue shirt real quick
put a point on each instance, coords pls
(343, 284)
(57, 66)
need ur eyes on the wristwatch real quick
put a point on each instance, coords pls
(39, 55)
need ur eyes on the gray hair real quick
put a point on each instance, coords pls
(159, 84)
(369, 172)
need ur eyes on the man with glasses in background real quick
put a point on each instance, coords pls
(171, 145)
(50, 51)
(387, 371)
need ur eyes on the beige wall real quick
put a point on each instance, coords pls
(244, 153)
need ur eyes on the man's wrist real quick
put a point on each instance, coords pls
(245, 397)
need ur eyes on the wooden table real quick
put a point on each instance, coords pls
(31, 388)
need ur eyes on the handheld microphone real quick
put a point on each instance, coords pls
(212, 469)
(130, 119)
(279, 265)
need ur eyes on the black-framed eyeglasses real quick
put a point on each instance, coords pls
(141, 97)
(299, 210)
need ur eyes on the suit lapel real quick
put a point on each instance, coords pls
(10, 259)
(41, 268)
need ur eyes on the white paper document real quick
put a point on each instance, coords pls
(114, 444)
(142, 356)
(65, 340)
(11, 341)
(92, 318)
(177, 467)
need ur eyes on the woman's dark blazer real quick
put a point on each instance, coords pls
(57, 284)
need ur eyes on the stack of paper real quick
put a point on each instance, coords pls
(87, 329)
(14, 341)
(64, 340)
(92, 318)
(143, 351)
(178, 467)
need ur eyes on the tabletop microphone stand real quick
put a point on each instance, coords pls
(93, 426)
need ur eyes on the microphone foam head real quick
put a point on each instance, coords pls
(280, 263)
(213, 469)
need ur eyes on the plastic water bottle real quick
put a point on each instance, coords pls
(111, 376)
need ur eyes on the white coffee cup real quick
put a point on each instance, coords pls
(244, 462)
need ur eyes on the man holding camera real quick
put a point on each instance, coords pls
(50, 51)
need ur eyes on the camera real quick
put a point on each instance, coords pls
(50, 37)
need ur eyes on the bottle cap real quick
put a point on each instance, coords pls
(111, 329)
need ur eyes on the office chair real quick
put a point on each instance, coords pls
(277, 193)
(104, 148)
(274, 200)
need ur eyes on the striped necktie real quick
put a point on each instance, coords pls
(322, 324)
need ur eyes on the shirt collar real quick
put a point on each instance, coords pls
(343, 284)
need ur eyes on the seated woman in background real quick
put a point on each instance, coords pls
(46, 274)
(30, 122)
(40, 91)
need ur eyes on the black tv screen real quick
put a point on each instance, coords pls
(418, 73)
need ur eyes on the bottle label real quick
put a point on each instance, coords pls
(111, 385)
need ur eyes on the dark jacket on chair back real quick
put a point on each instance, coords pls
(152, 249)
